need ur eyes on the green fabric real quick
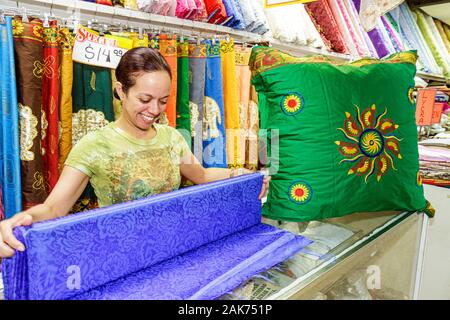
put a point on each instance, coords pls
(320, 171)
(123, 168)
(183, 114)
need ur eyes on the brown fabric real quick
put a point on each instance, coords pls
(28, 53)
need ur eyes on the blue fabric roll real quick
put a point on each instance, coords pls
(214, 139)
(9, 125)
(234, 10)
(196, 243)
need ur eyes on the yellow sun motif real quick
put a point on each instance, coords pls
(38, 31)
(17, 27)
(300, 192)
(370, 143)
(292, 103)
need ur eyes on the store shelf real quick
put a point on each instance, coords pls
(431, 77)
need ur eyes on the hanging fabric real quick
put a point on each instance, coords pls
(50, 102)
(168, 49)
(234, 141)
(214, 138)
(243, 77)
(183, 122)
(10, 180)
(253, 131)
(197, 67)
(66, 41)
(92, 110)
(29, 71)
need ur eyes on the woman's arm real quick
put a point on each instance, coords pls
(62, 198)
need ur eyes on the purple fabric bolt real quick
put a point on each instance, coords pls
(198, 242)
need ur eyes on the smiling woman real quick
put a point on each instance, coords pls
(131, 158)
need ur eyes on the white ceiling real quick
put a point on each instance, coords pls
(439, 11)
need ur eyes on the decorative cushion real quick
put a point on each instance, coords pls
(347, 134)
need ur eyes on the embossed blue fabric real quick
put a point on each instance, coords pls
(197, 243)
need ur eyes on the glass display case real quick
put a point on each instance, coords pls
(367, 256)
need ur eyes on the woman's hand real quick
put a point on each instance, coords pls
(265, 187)
(7, 240)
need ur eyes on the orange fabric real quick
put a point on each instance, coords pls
(168, 49)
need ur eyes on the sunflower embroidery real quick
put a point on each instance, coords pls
(370, 144)
(410, 95)
(300, 192)
(419, 179)
(38, 31)
(292, 103)
(17, 27)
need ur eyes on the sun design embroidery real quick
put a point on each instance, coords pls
(300, 192)
(410, 95)
(292, 103)
(17, 27)
(38, 31)
(372, 145)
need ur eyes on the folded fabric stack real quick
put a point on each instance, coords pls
(195, 243)
(434, 156)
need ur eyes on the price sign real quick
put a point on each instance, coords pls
(425, 106)
(437, 112)
(278, 3)
(92, 49)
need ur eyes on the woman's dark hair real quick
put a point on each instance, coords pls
(137, 61)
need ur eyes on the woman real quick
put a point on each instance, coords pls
(131, 158)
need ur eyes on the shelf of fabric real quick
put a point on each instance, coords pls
(431, 76)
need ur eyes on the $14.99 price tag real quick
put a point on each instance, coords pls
(95, 50)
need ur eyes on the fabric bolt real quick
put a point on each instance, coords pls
(387, 39)
(279, 19)
(215, 228)
(130, 4)
(247, 14)
(10, 178)
(429, 35)
(183, 10)
(353, 14)
(235, 20)
(410, 30)
(105, 2)
(144, 5)
(391, 27)
(216, 11)
(214, 136)
(261, 26)
(197, 68)
(50, 103)
(313, 37)
(440, 43)
(66, 39)
(243, 77)
(183, 122)
(168, 49)
(28, 38)
(377, 39)
(234, 141)
(371, 10)
(440, 27)
(447, 31)
(364, 143)
(322, 17)
(202, 14)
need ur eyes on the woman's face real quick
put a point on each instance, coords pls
(147, 99)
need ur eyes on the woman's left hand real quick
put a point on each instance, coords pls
(265, 187)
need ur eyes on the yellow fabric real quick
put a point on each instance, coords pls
(65, 105)
(440, 27)
(235, 141)
(253, 124)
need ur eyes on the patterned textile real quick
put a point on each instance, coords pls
(163, 241)
(364, 141)
(371, 10)
(183, 122)
(202, 14)
(440, 27)
(168, 49)
(197, 68)
(214, 137)
(392, 29)
(30, 68)
(66, 39)
(92, 110)
(10, 181)
(322, 16)
(235, 142)
(235, 14)
(50, 103)
(360, 33)
(248, 14)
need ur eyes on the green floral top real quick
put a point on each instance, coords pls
(124, 168)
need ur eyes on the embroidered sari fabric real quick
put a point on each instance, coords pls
(10, 181)
(322, 16)
(214, 137)
(197, 68)
(168, 49)
(234, 139)
(50, 103)
(66, 39)
(28, 49)
(183, 122)
(195, 243)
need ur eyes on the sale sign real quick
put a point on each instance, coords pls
(425, 106)
(103, 51)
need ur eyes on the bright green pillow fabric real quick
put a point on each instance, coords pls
(347, 134)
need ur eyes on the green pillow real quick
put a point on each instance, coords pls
(347, 137)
